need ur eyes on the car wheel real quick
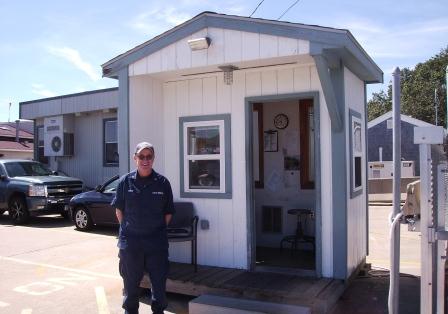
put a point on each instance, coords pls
(82, 219)
(17, 211)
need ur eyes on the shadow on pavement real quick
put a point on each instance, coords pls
(369, 294)
(57, 221)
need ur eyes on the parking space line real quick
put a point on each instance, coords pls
(3, 304)
(87, 272)
(26, 311)
(101, 300)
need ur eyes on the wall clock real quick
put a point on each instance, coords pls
(281, 121)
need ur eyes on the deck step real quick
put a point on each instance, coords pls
(225, 305)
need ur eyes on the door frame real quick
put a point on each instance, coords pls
(250, 207)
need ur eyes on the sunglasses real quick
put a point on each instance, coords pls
(145, 157)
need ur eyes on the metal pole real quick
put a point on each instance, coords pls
(395, 232)
(436, 103)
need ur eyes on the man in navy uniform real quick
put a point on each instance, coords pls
(144, 207)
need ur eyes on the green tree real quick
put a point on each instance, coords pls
(419, 87)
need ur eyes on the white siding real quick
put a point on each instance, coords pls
(87, 160)
(225, 243)
(227, 46)
(300, 75)
(356, 207)
(146, 116)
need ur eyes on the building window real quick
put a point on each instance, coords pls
(205, 156)
(356, 154)
(40, 146)
(110, 132)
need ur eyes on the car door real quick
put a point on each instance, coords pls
(3, 188)
(101, 210)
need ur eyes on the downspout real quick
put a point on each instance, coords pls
(396, 213)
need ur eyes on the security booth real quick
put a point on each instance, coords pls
(262, 126)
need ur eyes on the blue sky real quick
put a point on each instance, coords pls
(50, 48)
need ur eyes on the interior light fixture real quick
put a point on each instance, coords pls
(199, 43)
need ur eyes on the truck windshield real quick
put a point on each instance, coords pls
(20, 169)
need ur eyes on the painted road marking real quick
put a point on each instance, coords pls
(3, 304)
(26, 311)
(101, 300)
(87, 272)
(52, 284)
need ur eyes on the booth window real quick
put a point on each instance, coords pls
(356, 151)
(40, 146)
(205, 156)
(110, 140)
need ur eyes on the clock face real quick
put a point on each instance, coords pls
(281, 121)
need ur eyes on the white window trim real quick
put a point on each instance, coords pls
(220, 156)
(355, 118)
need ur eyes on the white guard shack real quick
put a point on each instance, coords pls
(251, 118)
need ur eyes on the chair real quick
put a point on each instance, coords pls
(184, 227)
(299, 237)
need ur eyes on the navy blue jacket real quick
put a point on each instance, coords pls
(144, 203)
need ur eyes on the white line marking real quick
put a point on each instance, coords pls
(26, 311)
(101, 300)
(3, 304)
(60, 268)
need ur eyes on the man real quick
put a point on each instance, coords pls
(144, 207)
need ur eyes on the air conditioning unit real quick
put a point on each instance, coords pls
(58, 136)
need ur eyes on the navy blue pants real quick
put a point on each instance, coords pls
(133, 263)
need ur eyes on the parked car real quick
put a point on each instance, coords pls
(93, 207)
(29, 188)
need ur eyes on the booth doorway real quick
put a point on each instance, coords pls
(283, 185)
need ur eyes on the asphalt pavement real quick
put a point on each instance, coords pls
(49, 267)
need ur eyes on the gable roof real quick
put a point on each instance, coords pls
(331, 42)
(405, 118)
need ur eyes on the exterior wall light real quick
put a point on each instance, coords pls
(228, 73)
(199, 43)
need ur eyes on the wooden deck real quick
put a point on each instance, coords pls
(320, 294)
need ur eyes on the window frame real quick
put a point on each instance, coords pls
(41, 157)
(224, 156)
(105, 163)
(355, 116)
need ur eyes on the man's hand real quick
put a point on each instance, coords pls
(119, 214)
(168, 218)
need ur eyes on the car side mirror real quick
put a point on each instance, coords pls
(98, 188)
(55, 173)
(2, 177)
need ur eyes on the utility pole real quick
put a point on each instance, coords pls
(436, 105)
(9, 113)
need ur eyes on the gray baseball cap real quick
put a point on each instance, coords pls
(141, 146)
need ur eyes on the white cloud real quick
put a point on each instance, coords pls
(40, 90)
(73, 56)
(400, 41)
(157, 20)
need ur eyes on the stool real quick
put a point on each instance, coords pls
(299, 237)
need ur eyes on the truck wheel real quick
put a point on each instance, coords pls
(82, 219)
(17, 211)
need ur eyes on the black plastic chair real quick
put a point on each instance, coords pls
(184, 227)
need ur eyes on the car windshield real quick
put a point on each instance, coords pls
(112, 186)
(25, 169)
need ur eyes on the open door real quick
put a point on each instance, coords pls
(284, 195)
